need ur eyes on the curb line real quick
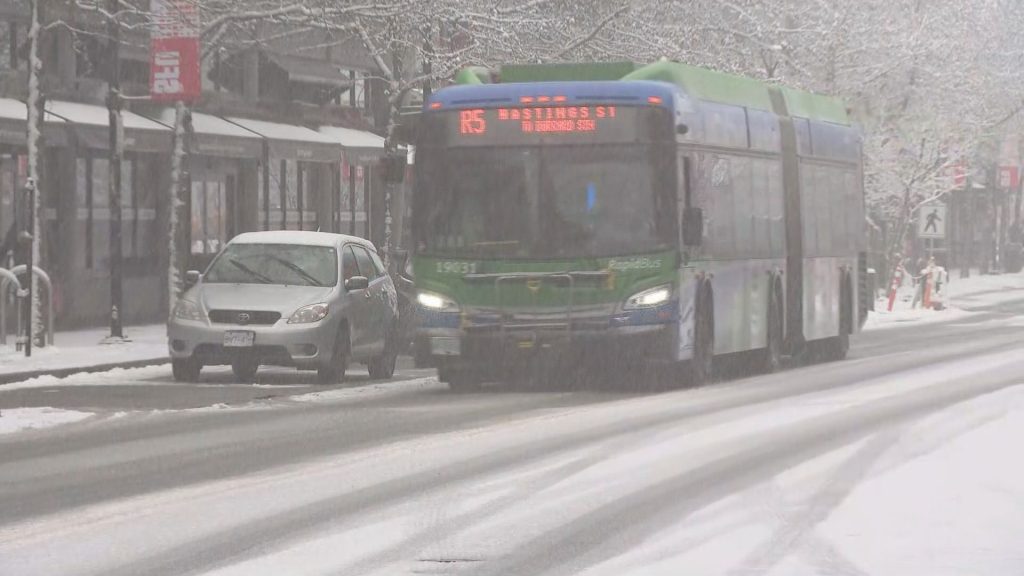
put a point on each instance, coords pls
(12, 377)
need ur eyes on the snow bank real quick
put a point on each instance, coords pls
(18, 419)
(85, 349)
(961, 297)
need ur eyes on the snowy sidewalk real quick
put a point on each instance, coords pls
(85, 351)
(961, 297)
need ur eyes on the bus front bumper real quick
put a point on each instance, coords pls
(509, 348)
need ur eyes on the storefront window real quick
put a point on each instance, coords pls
(276, 218)
(209, 216)
(100, 213)
(292, 221)
(309, 199)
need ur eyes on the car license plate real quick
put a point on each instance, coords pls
(239, 338)
(445, 346)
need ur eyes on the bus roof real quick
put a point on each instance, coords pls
(698, 83)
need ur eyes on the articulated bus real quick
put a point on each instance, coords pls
(671, 216)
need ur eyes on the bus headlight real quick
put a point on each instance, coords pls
(649, 298)
(436, 302)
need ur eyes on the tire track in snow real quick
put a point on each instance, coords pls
(587, 541)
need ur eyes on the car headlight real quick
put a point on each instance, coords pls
(436, 302)
(649, 298)
(309, 314)
(188, 310)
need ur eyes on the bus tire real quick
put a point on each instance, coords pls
(459, 378)
(771, 355)
(837, 347)
(701, 366)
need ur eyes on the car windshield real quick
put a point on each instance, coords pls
(542, 202)
(290, 264)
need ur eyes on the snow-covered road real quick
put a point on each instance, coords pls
(902, 460)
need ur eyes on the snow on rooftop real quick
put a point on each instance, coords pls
(278, 131)
(13, 109)
(93, 115)
(294, 237)
(350, 138)
(209, 124)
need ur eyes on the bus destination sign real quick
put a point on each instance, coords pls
(528, 124)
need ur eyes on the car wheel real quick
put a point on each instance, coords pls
(334, 371)
(771, 356)
(245, 369)
(383, 367)
(185, 369)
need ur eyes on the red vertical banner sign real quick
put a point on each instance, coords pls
(174, 72)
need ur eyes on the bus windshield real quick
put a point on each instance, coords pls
(541, 202)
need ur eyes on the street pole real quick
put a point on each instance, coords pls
(28, 238)
(30, 210)
(114, 171)
(968, 241)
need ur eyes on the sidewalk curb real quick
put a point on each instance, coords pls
(11, 377)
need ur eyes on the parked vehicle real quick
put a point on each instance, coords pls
(312, 300)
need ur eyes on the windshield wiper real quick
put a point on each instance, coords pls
(263, 279)
(297, 269)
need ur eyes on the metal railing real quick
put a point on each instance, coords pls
(9, 278)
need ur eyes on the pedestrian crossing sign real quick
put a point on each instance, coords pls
(931, 221)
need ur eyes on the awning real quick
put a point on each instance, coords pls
(213, 136)
(91, 125)
(14, 125)
(311, 71)
(360, 147)
(292, 142)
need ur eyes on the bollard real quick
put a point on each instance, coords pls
(897, 280)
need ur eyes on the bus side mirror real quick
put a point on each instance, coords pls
(394, 169)
(693, 226)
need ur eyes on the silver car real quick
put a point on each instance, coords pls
(311, 300)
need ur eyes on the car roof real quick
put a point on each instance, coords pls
(299, 237)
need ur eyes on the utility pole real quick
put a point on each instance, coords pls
(30, 208)
(114, 104)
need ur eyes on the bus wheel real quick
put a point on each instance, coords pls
(459, 379)
(702, 364)
(771, 356)
(837, 347)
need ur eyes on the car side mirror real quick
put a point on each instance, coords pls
(357, 283)
(693, 226)
(192, 277)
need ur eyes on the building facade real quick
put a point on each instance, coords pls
(282, 138)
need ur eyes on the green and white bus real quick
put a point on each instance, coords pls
(616, 215)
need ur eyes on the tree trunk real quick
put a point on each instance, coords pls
(174, 205)
(34, 103)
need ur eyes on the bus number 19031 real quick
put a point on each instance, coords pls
(456, 268)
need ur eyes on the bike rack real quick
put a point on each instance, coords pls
(6, 278)
(12, 276)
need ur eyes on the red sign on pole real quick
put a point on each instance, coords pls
(959, 172)
(174, 51)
